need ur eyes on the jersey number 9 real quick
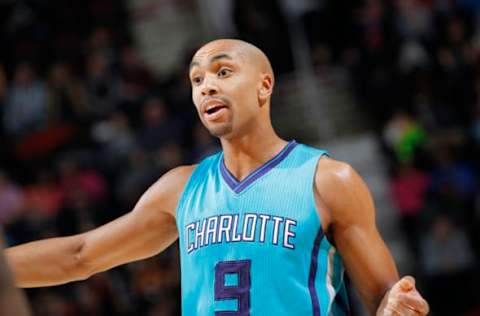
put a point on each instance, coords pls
(240, 291)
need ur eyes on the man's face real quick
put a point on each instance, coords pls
(224, 89)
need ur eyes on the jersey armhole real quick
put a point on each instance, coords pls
(312, 188)
(196, 170)
(182, 194)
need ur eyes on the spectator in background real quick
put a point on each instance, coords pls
(414, 19)
(373, 68)
(203, 145)
(144, 168)
(263, 23)
(476, 114)
(43, 200)
(404, 136)
(44, 196)
(136, 81)
(66, 95)
(102, 86)
(176, 89)
(168, 156)
(26, 103)
(219, 13)
(426, 111)
(453, 185)
(99, 297)
(84, 195)
(77, 214)
(455, 75)
(453, 192)
(409, 187)
(117, 140)
(158, 128)
(448, 264)
(155, 279)
(3, 83)
(52, 303)
(4, 141)
(132, 181)
(156, 284)
(74, 178)
(136, 77)
(11, 199)
(412, 57)
(101, 43)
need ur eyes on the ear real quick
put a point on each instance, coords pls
(265, 88)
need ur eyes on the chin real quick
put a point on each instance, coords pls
(220, 131)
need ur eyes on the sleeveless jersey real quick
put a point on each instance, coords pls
(256, 247)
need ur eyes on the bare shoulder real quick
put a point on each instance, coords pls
(178, 176)
(342, 190)
(331, 173)
(166, 191)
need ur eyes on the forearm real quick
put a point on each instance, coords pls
(47, 262)
(373, 302)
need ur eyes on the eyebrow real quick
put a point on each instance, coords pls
(213, 59)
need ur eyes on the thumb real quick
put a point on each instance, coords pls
(406, 283)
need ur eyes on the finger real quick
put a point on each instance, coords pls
(391, 312)
(414, 301)
(400, 311)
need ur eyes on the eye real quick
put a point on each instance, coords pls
(196, 80)
(224, 72)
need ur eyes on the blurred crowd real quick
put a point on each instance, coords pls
(87, 126)
(415, 69)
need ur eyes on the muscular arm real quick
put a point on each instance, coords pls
(352, 224)
(142, 233)
(12, 302)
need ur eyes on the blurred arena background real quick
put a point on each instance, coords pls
(95, 106)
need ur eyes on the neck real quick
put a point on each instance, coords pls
(245, 153)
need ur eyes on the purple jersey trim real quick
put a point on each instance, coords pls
(239, 186)
(227, 176)
(313, 273)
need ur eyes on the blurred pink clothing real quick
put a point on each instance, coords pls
(408, 190)
(89, 182)
(43, 199)
(11, 202)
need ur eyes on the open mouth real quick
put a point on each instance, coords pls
(215, 109)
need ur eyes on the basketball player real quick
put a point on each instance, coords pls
(12, 301)
(266, 226)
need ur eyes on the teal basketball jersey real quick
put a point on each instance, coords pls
(255, 247)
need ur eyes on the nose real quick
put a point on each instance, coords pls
(209, 87)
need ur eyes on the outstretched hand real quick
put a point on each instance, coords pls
(403, 299)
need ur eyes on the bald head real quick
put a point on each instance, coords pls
(252, 54)
(232, 83)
